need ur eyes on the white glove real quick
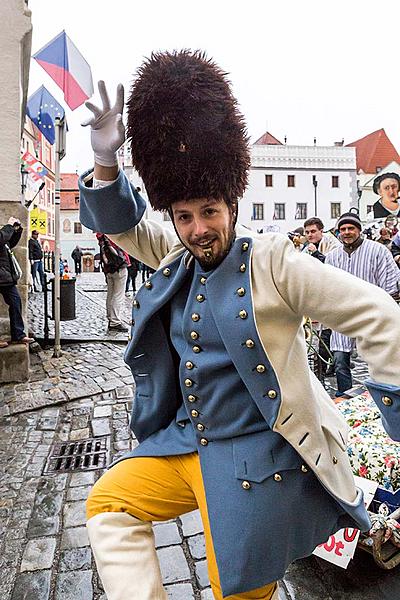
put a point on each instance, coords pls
(107, 129)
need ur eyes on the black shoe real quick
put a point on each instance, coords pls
(119, 327)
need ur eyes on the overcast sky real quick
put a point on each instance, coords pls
(322, 68)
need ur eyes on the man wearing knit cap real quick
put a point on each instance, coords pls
(228, 416)
(370, 261)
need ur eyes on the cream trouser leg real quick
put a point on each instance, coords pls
(124, 550)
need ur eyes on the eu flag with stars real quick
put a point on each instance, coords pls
(43, 109)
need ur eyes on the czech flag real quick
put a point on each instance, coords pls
(61, 59)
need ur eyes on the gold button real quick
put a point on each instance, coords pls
(203, 442)
(241, 292)
(246, 485)
(166, 272)
(249, 343)
(148, 285)
(334, 460)
(271, 394)
(189, 365)
(195, 317)
(245, 246)
(200, 426)
(194, 413)
(188, 382)
(191, 398)
(387, 401)
(242, 268)
(243, 314)
(304, 469)
(203, 280)
(136, 304)
(277, 477)
(196, 349)
(200, 298)
(194, 335)
(260, 368)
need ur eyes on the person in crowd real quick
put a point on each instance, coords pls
(228, 415)
(387, 186)
(76, 256)
(385, 237)
(115, 264)
(36, 259)
(133, 270)
(10, 235)
(367, 260)
(395, 249)
(318, 243)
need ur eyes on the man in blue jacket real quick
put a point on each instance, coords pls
(228, 416)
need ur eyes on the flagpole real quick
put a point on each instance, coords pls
(60, 153)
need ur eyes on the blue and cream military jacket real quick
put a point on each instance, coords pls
(220, 366)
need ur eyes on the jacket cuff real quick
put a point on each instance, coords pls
(387, 399)
(113, 209)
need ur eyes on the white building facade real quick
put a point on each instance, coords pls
(289, 184)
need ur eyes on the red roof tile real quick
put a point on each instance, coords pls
(268, 139)
(374, 151)
(69, 181)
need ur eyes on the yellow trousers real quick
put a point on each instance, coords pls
(159, 489)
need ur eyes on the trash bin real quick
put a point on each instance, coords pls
(67, 299)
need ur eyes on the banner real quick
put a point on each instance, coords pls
(36, 170)
(38, 220)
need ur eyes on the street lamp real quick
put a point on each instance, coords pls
(315, 184)
(24, 181)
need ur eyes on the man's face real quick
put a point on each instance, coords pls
(206, 228)
(349, 233)
(313, 234)
(35, 235)
(389, 190)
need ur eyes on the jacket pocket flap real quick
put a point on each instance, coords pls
(259, 455)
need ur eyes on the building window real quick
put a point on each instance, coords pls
(77, 227)
(291, 181)
(77, 199)
(335, 210)
(301, 210)
(67, 226)
(166, 216)
(335, 181)
(258, 212)
(279, 212)
(370, 208)
(268, 181)
(377, 169)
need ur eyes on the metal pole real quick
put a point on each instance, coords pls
(60, 153)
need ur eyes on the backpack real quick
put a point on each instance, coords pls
(112, 258)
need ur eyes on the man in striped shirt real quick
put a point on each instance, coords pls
(367, 260)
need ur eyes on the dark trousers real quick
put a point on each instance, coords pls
(132, 272)
(37, 267)
(341, 360)
(78, 267)
(13, 300)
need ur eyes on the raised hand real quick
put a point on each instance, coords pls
(107, 130)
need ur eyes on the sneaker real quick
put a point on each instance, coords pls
(119, 327)
(24, 340)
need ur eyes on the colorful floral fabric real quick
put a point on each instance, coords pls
(373, 454)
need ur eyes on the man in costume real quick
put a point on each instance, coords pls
(387, 185)
(229, 417)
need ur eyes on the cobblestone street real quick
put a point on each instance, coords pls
(87, 394)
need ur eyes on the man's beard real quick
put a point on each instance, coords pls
(207, 258)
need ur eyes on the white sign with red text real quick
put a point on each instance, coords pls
(340, 547)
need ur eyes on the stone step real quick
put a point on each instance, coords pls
(14, 363)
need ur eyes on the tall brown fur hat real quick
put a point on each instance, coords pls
(188, 138)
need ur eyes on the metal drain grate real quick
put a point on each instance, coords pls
(83, 455)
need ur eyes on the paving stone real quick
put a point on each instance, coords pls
(197, 546)
(75, 537)
(173, 564)
(101, 427)
(75, 558)
(202, 573)
(79, 434)
(84, 478)
(76, 585)
(102, 411)
(39, 554)
(192, 523)
(124, 392)
(166, 534)
(180, 591)
(78, 493)
(207, 594)
(32, 586)
(74, 514)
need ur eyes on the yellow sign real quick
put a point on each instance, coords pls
(38, 220)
